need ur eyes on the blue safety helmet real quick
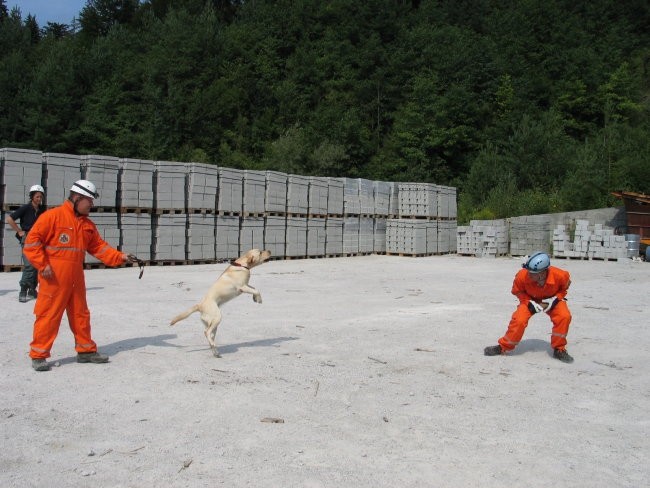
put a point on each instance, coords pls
(537, 263)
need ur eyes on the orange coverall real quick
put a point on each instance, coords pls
(61, 238)
(525, 289)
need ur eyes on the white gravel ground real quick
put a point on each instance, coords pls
(372, 369)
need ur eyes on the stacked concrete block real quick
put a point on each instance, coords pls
(351, 234)
(599, 245)
(615, 246)
(437, 238)
(366, 234)
(251, 233)
(407, 236)
(334, 236)
(418, 200)
(297, 194)
(393, 210)
(231, 191)
(335, 196)
(275, 234)
(170, 186)
(296, 239)
(593, 242)
(184, 208)
(11, 254)
(351, 199)
(61, 171)
(382, 193)
(379, 235)
(452, 227)
(276, 192)
(529, 234)
(19, 170)
(227, 230)
(104, 172)
(465, 240)
(108, 227)
(490, 237)
(366, 197)
(453, 203)
(200, 237)
(136, 184)
(170, 237)
(581, 238)
(316, 236)
(447, 231)
(202, 186)
(561, 241)
(254, 192)
(136, 234)
(393, 241)
(318, 193)
(564, 246)
(447, 205)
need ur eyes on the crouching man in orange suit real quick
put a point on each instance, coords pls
(56, 247)
(539, 287)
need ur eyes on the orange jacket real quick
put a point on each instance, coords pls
(557, 285)
(61, 237)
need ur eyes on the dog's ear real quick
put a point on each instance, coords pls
(251, 257)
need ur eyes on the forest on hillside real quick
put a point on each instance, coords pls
(526, 107)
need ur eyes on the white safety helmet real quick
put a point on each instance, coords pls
(36, 188)
(85, 188)
(537, 263)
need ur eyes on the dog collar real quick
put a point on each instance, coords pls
(234, 263)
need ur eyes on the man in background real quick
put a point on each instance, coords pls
(27, 215)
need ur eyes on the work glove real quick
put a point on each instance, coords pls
(535, 307)
(131, 258)
(553, 303)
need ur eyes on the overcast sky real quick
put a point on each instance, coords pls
(60, 11)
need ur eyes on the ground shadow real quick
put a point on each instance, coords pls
(530, 345)
(114, 348)
(17, 289)
(231, 348)
(6, 292)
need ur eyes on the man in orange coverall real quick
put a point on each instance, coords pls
(539, 287)
(56, 246)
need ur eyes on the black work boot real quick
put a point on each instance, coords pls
(91, 357)
(493, 350)
(22, 296)
(32, 293)
(562, 355)
(40, 365)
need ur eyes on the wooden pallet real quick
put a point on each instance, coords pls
(10, 268)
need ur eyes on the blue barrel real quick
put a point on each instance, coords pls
(647, 254)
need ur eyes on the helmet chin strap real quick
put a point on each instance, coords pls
(74, 204)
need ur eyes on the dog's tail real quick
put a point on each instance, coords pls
(185, 314)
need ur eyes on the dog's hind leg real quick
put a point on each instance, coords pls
(212, 321)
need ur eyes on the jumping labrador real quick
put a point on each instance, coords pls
(232, 283)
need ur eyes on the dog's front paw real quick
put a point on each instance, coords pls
(257, 298)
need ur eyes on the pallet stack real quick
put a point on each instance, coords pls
(19, 170)
(167, 212)
(426, 223)
(483, 238)
(589, 242)
(529, 234)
